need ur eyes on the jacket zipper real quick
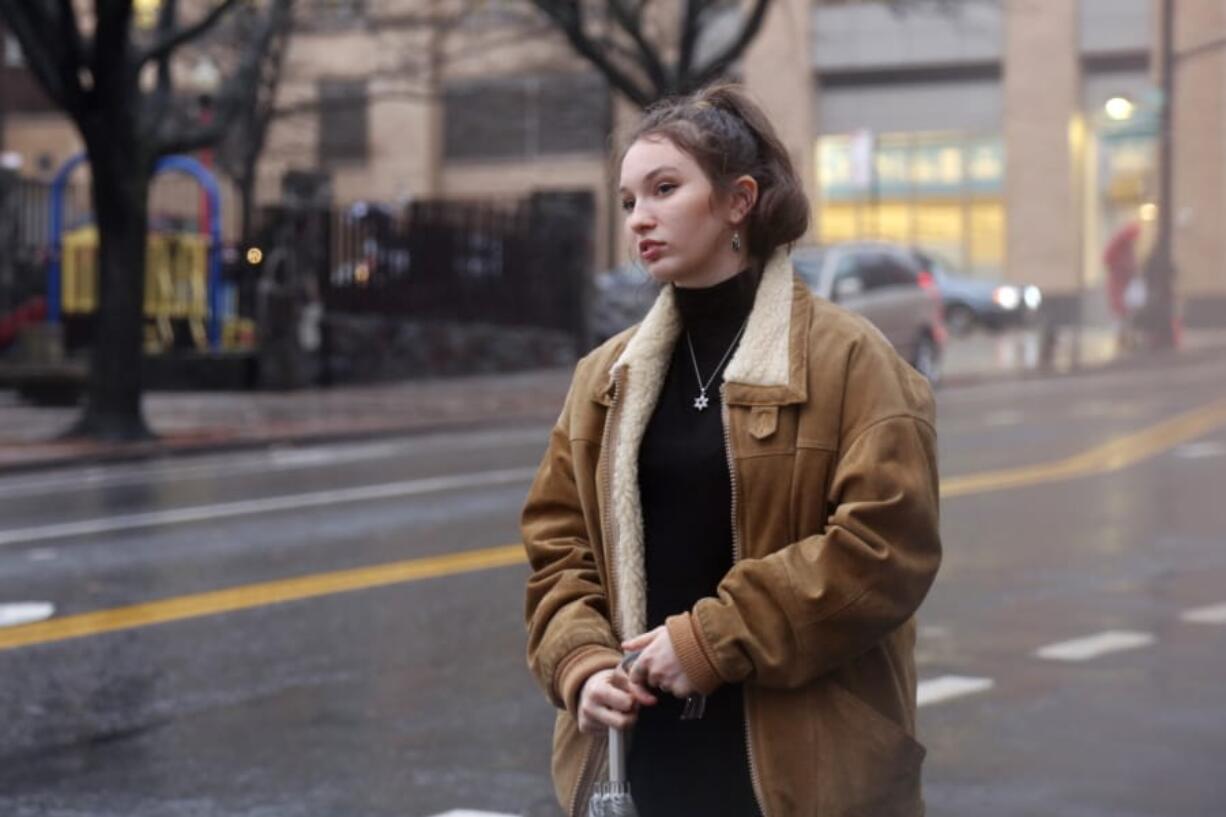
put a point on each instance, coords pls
(754, 779)
(584, 785)
(607, 521)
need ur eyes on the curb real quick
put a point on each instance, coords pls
(1136, 361)
(168, 448)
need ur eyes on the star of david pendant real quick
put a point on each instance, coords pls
(701, 402)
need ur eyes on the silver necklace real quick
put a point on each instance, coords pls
(701, 401)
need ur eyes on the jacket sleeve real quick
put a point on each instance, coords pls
(801, 611)
(569, 633)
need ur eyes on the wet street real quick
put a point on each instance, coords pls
(337, 630)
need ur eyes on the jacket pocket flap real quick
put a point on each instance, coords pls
(763, 421)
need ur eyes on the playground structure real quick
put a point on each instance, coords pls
(183, 281)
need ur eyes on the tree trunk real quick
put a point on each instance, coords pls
(120, 191)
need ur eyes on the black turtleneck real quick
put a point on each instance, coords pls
(691, 767)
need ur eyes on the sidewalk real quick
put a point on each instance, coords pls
(187, 422)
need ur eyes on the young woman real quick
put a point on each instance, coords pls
(743, 490)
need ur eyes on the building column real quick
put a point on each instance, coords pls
(1045, 146)
(1199, 157)
(779, 74)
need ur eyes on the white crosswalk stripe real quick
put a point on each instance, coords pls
(946, 687)
(1213, 614)
(25, 612)
(1083, 649)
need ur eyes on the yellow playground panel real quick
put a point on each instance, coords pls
(176, 281)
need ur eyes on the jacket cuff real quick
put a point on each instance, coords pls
(692, 653)
(576, 668)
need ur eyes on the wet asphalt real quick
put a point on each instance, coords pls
(412, 699)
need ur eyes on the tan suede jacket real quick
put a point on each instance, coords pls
(832, 451)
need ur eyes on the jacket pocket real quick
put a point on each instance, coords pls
(871, 766)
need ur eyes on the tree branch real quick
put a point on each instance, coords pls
(167, 43)
(631, 22)
(568, 18)
(615, 48)
(43, 51)
(719, 65)
(690, 16)
(167, 20)
(70, 34)
(237, 93)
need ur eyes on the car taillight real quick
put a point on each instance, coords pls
(926, 280)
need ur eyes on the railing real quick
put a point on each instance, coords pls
(518, 264)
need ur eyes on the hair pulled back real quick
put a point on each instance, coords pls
(729, 136)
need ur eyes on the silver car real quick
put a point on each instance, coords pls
(882, 282)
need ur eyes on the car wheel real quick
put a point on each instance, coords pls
(927, 359)
(959, 319)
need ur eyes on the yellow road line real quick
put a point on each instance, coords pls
(1109, 457)
(257, 595)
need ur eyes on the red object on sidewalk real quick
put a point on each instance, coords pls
(32, 311)
(1120, 258)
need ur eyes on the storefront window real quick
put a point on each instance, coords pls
(939, 191)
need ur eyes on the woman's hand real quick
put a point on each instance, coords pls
(610, 698)
(657, 665)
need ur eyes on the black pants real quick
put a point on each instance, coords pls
(701, 767)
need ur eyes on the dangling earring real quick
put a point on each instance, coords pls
(736, 241)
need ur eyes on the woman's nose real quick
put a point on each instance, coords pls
(639, 219)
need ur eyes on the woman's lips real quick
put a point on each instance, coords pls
(650, 250)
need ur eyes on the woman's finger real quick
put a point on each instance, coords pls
(611, 697)
(611, 717)
(641, 694)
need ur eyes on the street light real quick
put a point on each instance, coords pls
(1119, 108)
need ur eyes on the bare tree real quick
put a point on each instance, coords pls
(644, 56)
(649, 49)
(243, 143)
(116, 83)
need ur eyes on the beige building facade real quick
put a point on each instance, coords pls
(982, 134)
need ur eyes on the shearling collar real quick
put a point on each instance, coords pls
(768, 368)
(769, 365)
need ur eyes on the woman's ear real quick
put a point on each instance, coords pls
(742, 199)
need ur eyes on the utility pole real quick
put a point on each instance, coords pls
(1157, 316)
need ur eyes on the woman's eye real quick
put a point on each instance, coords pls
(665, 188)
(627, 205)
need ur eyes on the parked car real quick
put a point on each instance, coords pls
(882, 282)
(978, 302)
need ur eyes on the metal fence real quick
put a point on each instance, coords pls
(519, 264)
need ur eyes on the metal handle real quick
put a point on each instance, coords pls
(617, 738)
(617, 756)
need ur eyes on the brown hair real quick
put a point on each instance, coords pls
(729, 136)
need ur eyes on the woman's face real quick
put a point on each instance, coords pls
(678, 229)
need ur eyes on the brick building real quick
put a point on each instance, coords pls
(981, 132)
